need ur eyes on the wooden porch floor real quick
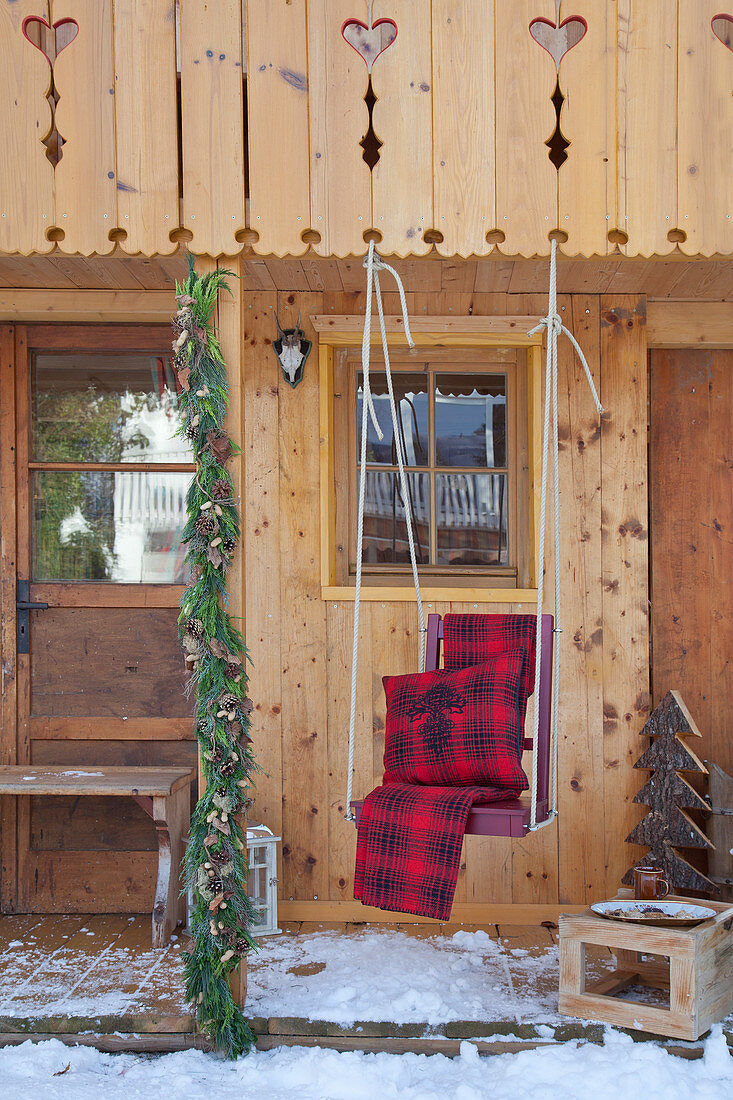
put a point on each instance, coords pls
(97, 980)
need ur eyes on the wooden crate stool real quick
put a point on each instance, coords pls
(699, 975)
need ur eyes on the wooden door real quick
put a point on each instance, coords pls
(101, 484)
(691, 501)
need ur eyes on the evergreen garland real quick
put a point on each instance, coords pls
(215, 864)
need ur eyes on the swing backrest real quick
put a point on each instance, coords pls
(434, 642)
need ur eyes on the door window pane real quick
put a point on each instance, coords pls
(104, 407)
(411, 395)
(385, 530)
(109, 526)
(471, 519)
(470, 420)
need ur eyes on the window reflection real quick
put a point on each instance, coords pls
(385, 530)
(105, 408)
(470, 420)
(453, 424)
(411, 398)
(109, 526)
(471, 519)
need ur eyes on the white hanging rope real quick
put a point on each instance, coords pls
(374, 265)
(554, 326)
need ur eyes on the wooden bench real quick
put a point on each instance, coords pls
(163, 793)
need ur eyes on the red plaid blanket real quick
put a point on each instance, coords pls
(471, 639)
(408, 847)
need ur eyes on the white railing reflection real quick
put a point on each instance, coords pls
(461, 500)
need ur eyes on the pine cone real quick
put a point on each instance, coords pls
(227, 701)
(191, 432)
(206, 525)
(218, 858)
(221, 489)
(232, 671)
(228, 546)
(203, 727)
(228, 768)
(195, 627)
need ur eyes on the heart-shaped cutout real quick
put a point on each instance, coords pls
(558, 40)
(369, 42)
(723, 29)
(50, 39)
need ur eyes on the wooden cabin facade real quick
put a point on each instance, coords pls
(233, 130)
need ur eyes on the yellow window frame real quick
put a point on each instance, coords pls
(344, 331)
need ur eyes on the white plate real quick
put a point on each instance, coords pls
(653, 912)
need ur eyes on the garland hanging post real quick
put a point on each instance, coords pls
(215, 864)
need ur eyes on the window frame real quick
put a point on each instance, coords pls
(347, 365)
(338, 337)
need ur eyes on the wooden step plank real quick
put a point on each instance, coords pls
(59, 972)
(20, 974)
(16, 929)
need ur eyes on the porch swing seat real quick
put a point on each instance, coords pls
(510, 818)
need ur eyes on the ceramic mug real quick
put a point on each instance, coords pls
(649, 884)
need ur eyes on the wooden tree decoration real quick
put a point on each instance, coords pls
(667, 826)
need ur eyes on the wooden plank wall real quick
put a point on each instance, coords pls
(463, 109)
(300, 645)
(692, 517)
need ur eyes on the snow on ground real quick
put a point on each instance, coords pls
(380, 975)
(621, 1068)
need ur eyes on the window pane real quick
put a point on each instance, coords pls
(105, 408)
(100, 526)
(411, 392)
(470, 419)
(471, 519)
(385, 530)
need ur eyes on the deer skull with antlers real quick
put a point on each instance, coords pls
(292, 350)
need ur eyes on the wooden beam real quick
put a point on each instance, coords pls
(400, 594)
(8, 640)
(689, 324)
(86, 305)
(444, 331)
(466, 913)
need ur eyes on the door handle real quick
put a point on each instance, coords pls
(24, 605)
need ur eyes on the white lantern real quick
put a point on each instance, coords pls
(262, 880)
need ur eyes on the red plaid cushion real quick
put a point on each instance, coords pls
(470, 639)
(453, 729)
(408, 848)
